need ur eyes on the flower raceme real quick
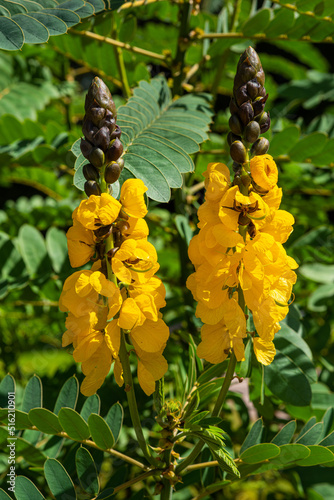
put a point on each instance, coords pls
(239, 259)
(119, 292)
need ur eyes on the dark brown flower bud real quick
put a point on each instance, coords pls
(89, 129)
(90, 172)
(120, 162)
(116, 133)
(112, 173)
(86, 147)
(97, 158)
(92, 187)
(253, 88)
(241, 95)
(265, 125)
(260, 147)
(102, 138)
(99, 95)
(233, 107)
(259, 104)
(232, 137)
(235, 125)
(238, 152)
(252, 132)
(114, 151)
(246, 113)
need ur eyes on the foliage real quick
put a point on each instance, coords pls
(170, 67)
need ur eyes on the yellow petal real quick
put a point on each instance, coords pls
(130, 315)
(113, 337)
(132, 198)
(150, 337)
(150, 369)
(264, 351)
(87, 346)
(215, 341)
(96, 369)
(109, 209)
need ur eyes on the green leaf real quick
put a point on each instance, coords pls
(58, 480)
(29, 452)
(259, 453)
(157, 135)
(285, 435)
(284, 19)
(311, 436)
(32, 397)
(26, 490)
(33, 30)
(86, 471)
(106, 494)
(53, 24)
(318, 455)
(283, 141)
(56, 245)
(308, 146)
(295, 339)
(328, 440)
(73, 424)
(4, 496)
(289, 347)
(33, 250)
(114, 419)
(253, 437)
(21, 419)
(11, 35)
(318, 300)
(320, 273)
(287, 381)
(7, 385)
(68, 395)
(225, 461)
(100, 432)
(257, 23)
(91, 405)
(45, 420)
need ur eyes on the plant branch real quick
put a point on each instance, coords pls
(129, 389)
(182, 46)
(259, 36)
(122, 45)
(120, 63)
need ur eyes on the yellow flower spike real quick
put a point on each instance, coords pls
(135, 260)
(132, 198)
(264, 171)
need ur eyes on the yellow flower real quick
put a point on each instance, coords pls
(217, 342)
(97, 211)
(151, 367)
(234, 207)
(264, 351)
(132, 198)
(264, 171)
(217, 180)
(81, 244)
(135, 260)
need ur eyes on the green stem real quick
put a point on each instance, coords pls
(182, 46)
(167, 490)
(120, 64)
(219, 403)
(129, 389)
(226, 385)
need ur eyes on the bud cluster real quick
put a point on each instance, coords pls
(248, 118)
(101, 146)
